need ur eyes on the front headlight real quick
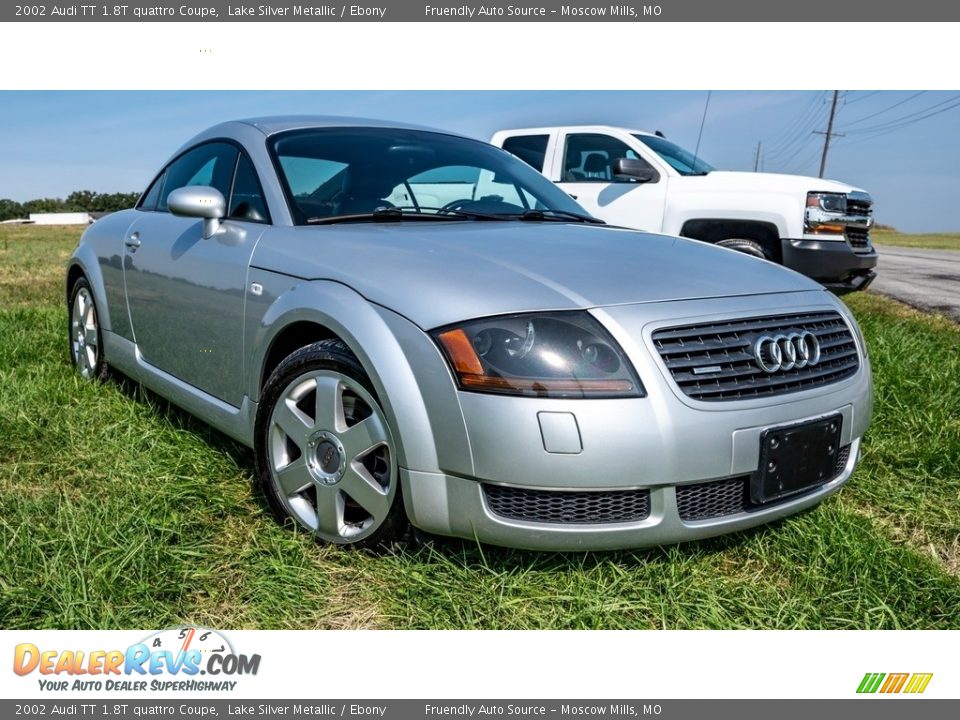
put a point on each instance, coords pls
(825, 212)
(556, 355)
(830, 202)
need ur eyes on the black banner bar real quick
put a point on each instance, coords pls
(114, 708)
(825, 12)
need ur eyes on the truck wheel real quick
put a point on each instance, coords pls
(324, 451)
(748, 247)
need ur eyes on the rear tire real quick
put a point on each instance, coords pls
(325, 455)
(84, 338)
(747, 247)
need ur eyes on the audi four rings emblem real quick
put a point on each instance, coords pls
(786, 352)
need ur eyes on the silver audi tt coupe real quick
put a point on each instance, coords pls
(411, 327)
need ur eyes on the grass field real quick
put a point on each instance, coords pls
(932, 241)
(121, 512)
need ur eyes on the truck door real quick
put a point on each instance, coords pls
(584, 169)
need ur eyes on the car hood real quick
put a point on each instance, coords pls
(758, 182)
(443, 272)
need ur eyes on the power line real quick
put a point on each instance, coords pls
(909, 118)
(887, 130)
(886, 109)
(862, 97)
(795, 153)
(803, 164)
(799, 129)
(779, 139)
(800, 142)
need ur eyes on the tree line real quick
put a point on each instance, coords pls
(78, 201)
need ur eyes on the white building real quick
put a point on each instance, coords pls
(66, 218)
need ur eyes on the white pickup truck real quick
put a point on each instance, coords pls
(641, 180)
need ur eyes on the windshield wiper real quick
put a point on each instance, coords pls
(384, 214)
(388, 214)
(550, 214)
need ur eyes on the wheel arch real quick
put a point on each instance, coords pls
(714, 230)
(83, 263)
(315, 310)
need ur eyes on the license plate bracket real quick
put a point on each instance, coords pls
(794, 458)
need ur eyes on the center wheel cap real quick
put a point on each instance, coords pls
(326, 458)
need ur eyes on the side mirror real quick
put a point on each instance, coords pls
(633, 169)
(199, 201)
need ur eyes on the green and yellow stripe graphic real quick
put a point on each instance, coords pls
(894, 682)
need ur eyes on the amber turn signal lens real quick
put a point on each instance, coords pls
(828, 228)
(461, 352)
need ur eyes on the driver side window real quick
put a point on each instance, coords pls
(210, 164)
(588, 157)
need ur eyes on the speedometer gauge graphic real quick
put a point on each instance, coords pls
(182, 639)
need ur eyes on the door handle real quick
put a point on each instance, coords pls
(133, 242)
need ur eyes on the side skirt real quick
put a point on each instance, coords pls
(238, 423)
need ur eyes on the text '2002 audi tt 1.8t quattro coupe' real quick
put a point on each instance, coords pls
(414, 327)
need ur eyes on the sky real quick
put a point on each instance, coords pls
(901, 146)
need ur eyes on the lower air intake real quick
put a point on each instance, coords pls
(718, 498)
(553, 506)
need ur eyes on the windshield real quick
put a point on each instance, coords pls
(679, 159)
(337, 172)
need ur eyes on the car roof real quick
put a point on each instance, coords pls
(252, 129)
(270, 125)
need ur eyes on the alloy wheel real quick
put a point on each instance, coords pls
(330, 456)
(84, 334)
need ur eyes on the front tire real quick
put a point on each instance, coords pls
(747, 247)
(83, 333)
(325, 455)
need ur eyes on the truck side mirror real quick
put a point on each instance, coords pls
(633, 169)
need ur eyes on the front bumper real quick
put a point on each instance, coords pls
(832, 263)
(656, 443)
(454, 506)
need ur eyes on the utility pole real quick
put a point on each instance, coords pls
(756, 158)
(829, 133)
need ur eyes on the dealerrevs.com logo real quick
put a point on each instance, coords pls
(173, 659)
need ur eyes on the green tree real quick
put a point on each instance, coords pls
(11, 209)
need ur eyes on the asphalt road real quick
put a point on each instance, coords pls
(925, 279)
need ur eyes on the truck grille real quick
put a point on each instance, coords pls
(715, 361)
(717, 498)
(859, 239)
(858, 206)
(560, 506)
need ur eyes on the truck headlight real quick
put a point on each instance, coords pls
(555, 355)
(831, 202)
(824, 213)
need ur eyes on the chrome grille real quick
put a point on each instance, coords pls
(559, 506)
(860, 207)
(702, 501)
(715, 361)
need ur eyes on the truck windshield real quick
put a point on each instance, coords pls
(390, 173)
(679, 159)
